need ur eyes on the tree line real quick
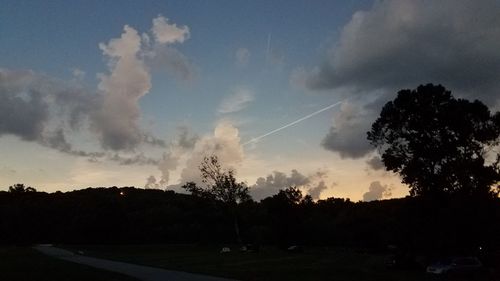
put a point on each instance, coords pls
(131, 215)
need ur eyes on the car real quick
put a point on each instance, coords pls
(455, 265)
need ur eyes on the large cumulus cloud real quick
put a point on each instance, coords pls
(404, 43)
(50, 111)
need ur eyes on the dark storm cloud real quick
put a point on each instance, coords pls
(401, 44)
(404, 43)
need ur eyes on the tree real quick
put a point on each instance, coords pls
(221, 185)
(20, 188)
(437, 143)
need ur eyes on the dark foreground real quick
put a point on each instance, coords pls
(268, 264)
(145, 273)
(27, 264)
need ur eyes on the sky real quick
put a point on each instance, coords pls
(136, 93)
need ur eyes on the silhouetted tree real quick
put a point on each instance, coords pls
(437, 143)
(221, 183)
(20, 188)
(222, 186)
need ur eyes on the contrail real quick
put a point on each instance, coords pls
(256, 139)
(268, 50)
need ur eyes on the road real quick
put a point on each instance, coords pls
(141, 272)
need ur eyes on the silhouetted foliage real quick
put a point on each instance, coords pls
(437, 143)
(130, 215)
(20, 188)
(221, 186)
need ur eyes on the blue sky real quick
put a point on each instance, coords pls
(233, 71)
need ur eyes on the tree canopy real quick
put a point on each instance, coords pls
(20, 188)
(221, 184)
(437, 143)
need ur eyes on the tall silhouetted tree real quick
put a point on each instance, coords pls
(222, 186)
(437, 143)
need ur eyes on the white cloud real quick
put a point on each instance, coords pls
(116, 122)
(237, 101)
(166, 33)
(225, 142)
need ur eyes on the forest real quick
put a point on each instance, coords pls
(131, 215)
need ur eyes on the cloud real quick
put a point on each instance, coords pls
(78, 74)
(225, 142)
(276, 181)
(116, 122)
(173, 61)
(186, 140)
(23, 112)
(46, 110)
(237, 101)
(151, 183)
(40, 109)
(168, 163)
(347, 136)
(403, 43)
(375, 163)
(166, 33)
(315, 192)
(377, 191)
(162, 56)
(242, 57)
(137, 159)
(183, 143)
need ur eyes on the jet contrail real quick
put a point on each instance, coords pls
(256, 139)
(268, 50)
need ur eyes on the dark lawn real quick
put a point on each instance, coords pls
(269, 264)
(27, 264)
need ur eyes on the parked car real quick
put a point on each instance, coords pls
(455, 265)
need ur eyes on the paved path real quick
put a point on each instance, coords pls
(141, 272)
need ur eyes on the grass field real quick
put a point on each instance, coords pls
(27, 264)
(269, 264)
